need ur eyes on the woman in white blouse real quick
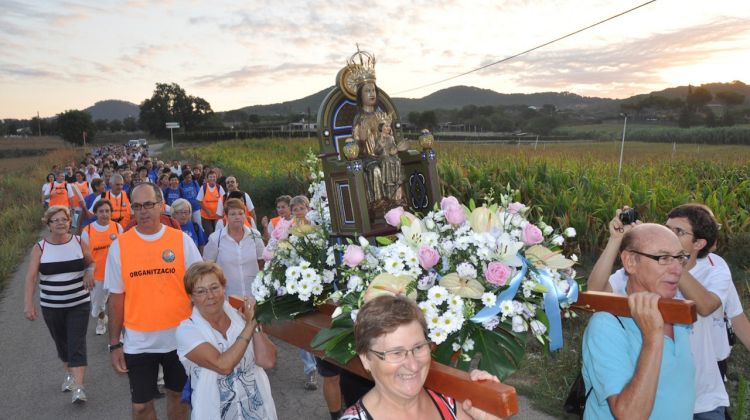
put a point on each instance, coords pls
(237, 249)
(224, 352)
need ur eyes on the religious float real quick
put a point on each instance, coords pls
(484, 276)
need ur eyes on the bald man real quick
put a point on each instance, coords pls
(628, 362)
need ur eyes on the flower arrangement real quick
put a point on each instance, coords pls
(484, 276)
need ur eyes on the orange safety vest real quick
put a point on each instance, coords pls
(152, 272)
(99, 243)
(58, 195)
(120, 207)
(83, 187)
(210, 202)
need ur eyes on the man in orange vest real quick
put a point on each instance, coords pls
(209, 196)
(83, 190)
(121, 210)
(61, 193)
(144, 275)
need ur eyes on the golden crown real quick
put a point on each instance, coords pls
(384, 117)
(362, 67)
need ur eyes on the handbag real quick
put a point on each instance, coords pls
(575, 403)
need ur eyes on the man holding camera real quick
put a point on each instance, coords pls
(706, 280)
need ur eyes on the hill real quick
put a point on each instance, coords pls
(113, 109)
(450, 98)
(681, 91)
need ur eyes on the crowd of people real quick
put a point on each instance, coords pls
(158, 252)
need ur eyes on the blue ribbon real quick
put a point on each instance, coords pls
(489, 311)
(552, 300)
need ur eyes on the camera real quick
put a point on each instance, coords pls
(629, 216)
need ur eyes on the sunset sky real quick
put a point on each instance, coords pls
(59, 55)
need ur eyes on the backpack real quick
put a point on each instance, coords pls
(575, 403)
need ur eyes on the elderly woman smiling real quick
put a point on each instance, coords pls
(224, 352)
(392, 345)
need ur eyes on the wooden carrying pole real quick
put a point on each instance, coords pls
(495, 398)
(674, 311)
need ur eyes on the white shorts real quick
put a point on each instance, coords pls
(99, 297)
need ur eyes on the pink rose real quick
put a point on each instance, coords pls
(455, 215)
(280, 232)
(497, 273)
(353, 255)
(267, 255)
(393, 217)
(428, 257)
(531, 235)
(515, 207)
(448, 202)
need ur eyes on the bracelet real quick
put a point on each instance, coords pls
(113, 347)
(240, 337)
(91, 268)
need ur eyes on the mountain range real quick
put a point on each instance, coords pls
(450, 98)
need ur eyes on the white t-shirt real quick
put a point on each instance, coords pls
(713, 273)
(238, 260)
(248, 204)
(46, 191)
(135, 341)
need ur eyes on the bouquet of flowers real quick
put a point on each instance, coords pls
(484, 276)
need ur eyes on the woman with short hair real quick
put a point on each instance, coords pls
(390, 336)
(237, 249)
(224, 352)
(181, 211)
(64, 268)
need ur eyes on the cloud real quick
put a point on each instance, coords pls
(257, 73)
(13, 71)
(637, 61)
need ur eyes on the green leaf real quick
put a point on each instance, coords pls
(325, 335)
(472, 204)
(283, 308)
(383, 240)
(405, 221)
(502, 350)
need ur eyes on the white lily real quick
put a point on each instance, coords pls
(507, 250)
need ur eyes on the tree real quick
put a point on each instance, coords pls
(130, 124)
(698, 98)
(170, 103)
(729, 98)
(115, 125)
(101, 125)
(542, 124)
(429, 120)
(73, 123)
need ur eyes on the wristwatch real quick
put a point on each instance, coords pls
(113, 347)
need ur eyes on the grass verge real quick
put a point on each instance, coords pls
(21, 209)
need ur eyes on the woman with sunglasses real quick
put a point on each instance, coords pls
(64, 268)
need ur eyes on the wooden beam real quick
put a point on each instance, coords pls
(674, 311)
(495, 398)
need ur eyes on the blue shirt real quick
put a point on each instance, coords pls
(189, 191)
(170, 195)
(199, 236)
(610, 356)
(89, 200)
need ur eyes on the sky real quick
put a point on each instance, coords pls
(60, 55)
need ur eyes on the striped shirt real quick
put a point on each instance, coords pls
(61, 269)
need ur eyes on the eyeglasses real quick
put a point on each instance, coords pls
(202, 291)
(682, 259)
(148, 205)
(419, 351)
(60, 221)
(680, 232)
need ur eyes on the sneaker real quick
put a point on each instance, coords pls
(101, 326)
(68, 383)
(79, 395)
(312, 382)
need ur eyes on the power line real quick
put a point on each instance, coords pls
(529, 50)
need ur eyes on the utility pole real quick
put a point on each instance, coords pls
(622, 145)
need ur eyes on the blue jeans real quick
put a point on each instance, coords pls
(308, 361)
(718, 413)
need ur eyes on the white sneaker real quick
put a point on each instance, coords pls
(68, 383)
(79, 396)
(101, 326)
